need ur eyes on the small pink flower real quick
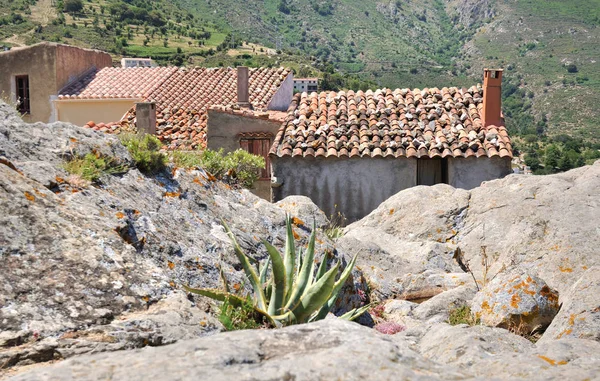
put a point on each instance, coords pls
(389, 328)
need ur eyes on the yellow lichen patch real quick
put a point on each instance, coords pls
(514, 301)
(298, 222)
(572, 319)
(296, 235)
(203, 323)
(565, 269)
(120, 215)
(485, 306)
(237, 286)
(172, 194)
(146, 299)
(320, 242)
(171, 265)
(73, 140)
(40, 194)
(198, 181)
(172, 284)
(29, 196)
(392, 211)
(552, 362)
(59, 180)
(584, 267)
(555, 248)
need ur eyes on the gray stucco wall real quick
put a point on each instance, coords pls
(356, 186)
(469, 173)
(283, 97)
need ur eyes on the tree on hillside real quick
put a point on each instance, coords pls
(73, 6)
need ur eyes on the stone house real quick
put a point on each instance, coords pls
(31, 77)
(350, 151)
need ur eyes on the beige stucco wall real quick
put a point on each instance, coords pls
(469, 173)
(49, 67)
(223, 129)
(79, 112)
(354, 187)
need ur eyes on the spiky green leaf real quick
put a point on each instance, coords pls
(278, 291)
(315, 296)
(304, 277)
(355, 313)
(289, 259)
(249, 270)
(336, 289)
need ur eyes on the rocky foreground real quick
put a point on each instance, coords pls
(90, 280)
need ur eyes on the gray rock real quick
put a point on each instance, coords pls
(437, 308)
(464, 345)
(100, 267)
(329, 349)
(304, 209)
(579, 314)
(516, 300)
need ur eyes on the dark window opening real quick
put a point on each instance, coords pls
(259, 147)
(22, 84)
(432, 171)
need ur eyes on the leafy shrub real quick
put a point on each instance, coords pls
(145, 151)
(187, 159)
(572, 68)
(237, 167)
(295, 293)
(73, 6)
(93, 166)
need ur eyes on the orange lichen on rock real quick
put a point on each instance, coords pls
(391, 211)
(171, 265)
(565, 269)
(514, 300)
(298, 222)
(120, 215)
(172, 194)
(552, 362)
(296, 235)
(29, 196)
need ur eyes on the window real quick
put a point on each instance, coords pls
(432, 171)
(260, 144)
(22, 86)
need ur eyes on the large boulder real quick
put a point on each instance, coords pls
(516, 300)
(579, 315)
(329, 349)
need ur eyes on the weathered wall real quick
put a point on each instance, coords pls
(79, 112)
(39, 63)
(283, 97)
(353, 187)
(72, 62)
(223, 129)
(469, 173)
(50, 67)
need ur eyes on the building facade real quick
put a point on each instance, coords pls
(33, 76)
(350, 151)
(306, 85)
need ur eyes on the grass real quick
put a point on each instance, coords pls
(93, 166)
(244, 317)
(461, 315)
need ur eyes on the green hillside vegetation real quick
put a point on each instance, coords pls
(549, 49)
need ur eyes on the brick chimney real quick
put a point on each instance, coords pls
(145, 115)
(243, 93)
(492, 98)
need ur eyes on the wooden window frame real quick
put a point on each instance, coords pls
(24, 102)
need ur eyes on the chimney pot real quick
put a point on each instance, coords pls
(243, 95)
(492, 98)
(145, 115)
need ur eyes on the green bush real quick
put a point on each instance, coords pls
(297, 292)
(73, 6)
(145, 151)
(93, 166)
(237, 167)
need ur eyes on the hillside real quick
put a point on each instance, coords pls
(549, 49)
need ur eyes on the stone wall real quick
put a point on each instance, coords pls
(353, 187)
(223, 129)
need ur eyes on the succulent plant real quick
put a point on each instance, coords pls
(296, 291)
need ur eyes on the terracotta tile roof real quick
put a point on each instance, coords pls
(183, 99)
(390, 123)
(117, 83)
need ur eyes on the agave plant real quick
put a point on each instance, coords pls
(296, 291)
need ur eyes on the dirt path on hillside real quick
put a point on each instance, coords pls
(15, 40)
(43, 12)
